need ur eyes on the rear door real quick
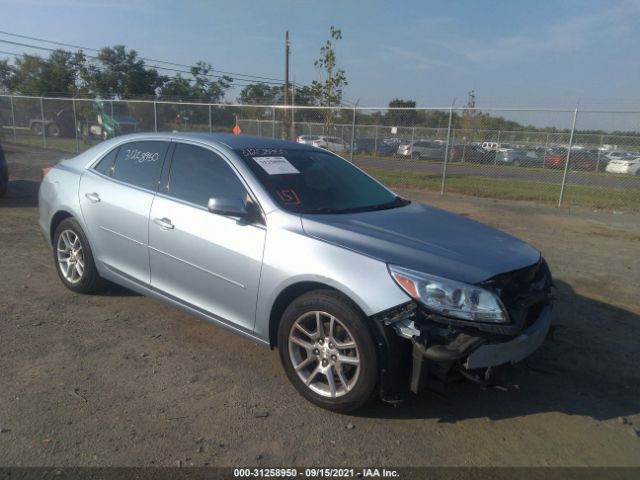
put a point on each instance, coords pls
(115, 198)
(210, 262)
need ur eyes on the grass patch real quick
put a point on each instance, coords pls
(53, 143)
(513, 189)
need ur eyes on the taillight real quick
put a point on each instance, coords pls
(45, 170)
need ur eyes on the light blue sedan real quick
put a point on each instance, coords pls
(363, 292)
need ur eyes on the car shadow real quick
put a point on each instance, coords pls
(113, 290)
(588, 367)
(21, 194)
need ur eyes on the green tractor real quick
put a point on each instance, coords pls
(107, 120)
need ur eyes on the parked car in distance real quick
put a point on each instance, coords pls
(363, 292)
(428, 149)
(307, 139)
(4, 173)
(476, 154)
(616, 155)
(579, 160)
(333, 144)
(518, 158)
(373, 145)
(555, 157)
(627, 165)
(491, 145)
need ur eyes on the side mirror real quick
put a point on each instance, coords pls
(231, 206)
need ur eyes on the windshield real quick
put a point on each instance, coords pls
(307, 181)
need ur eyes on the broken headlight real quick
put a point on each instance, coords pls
(450, 298)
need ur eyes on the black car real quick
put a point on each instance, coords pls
(374, 145)
(4, 173)
(477, 154)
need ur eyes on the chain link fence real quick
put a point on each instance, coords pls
(576, 157)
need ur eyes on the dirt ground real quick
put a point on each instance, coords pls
(118, 379)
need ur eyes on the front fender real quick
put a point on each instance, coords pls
(291, 257)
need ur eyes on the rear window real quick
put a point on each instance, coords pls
(140, 163)
(105, 166)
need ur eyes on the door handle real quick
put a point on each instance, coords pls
(164, 223)
(92, 197)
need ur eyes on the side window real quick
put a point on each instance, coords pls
(198, 174)
(140, 163)
(105, 166)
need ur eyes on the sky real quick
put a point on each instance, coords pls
(535, 54)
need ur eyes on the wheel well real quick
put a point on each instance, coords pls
(286, 297)
(55, 221)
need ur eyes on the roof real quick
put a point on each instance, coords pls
(239, 141)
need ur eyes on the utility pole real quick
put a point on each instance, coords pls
(292, 134)
(286, 72)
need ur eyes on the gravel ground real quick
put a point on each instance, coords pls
(118, 379)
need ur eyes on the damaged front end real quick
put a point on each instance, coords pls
(422, 347)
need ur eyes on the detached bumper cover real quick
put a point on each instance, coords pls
(515, 350)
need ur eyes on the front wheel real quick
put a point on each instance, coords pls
(74, 259)
(327, 351)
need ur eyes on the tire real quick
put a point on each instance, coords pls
(351, 383)
(416, 156)
(70, 243)
(36, 128)
(53, 130)
(516, 163)
(4, 185)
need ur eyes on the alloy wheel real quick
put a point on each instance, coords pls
(70, 256)
(324, 354)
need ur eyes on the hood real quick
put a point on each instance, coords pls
(425, 239)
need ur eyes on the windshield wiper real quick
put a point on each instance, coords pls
(397, 202)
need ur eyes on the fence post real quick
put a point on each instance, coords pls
(566, 165)
(75, 125)
(210, 128)
(44, 130)
(273, 122)
(353, 134)
(413, 136)
(600, 153)
(375, 143)
(155, 116)
(446, 153)
(13, 120)
(546, 148)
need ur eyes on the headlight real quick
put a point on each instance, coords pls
(450, 298)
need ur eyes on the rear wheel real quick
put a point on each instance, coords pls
(327, 351)
(74, 259)
(36, 128)
(53, 130)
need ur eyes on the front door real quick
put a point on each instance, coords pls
(211, 262)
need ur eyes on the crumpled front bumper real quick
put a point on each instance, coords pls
(475, 351)
(515, 350)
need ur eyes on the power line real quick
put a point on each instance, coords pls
(146, 59)
(210, 75)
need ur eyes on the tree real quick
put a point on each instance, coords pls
(117, 72)
(207, 89)
(57, 75)
(261, 94)
(327, 91)
(406, 118)
(7, 74)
